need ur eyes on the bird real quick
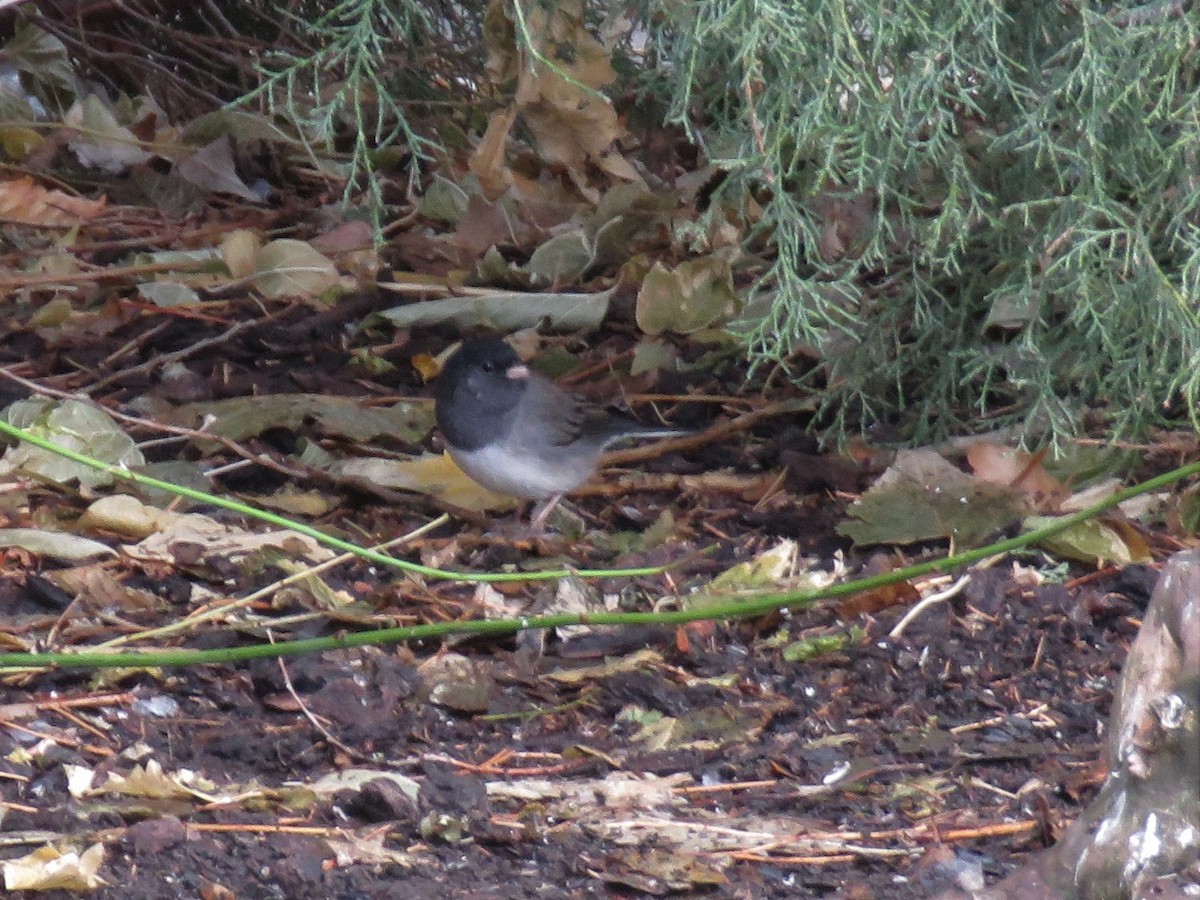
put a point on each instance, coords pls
(516, 432)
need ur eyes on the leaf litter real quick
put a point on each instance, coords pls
(814, 751)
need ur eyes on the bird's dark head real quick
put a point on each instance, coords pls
(491, 356)
(483, 380)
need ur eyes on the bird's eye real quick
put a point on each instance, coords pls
(489, 367)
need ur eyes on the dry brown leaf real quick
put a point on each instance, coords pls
(21, 200)
(557, 97)
(1008, 467)
(48, 869)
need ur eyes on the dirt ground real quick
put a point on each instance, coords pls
(703, 760)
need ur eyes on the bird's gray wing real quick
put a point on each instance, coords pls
(559, 415)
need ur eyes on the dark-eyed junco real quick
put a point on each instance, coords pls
(518, 433)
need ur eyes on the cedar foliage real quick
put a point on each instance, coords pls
(1029, 249)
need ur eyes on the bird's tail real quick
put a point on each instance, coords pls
(629, 430)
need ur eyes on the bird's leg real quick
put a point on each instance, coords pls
(542, 512)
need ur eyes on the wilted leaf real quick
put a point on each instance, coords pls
(444, 201)
(168, 293)
(205, 258)
(42, 56)
(617, 665)
(294, 502)
(239, 251)
(506, 311)
(17, 104)
(1096, 541)
(721, 724)
(354, 779)
(1010, 310)
(658, 871)
(53, 314)
(17, 142)
(102, 589)
(291, 268)
(102, 142)
(574, 596)
(311, 592)
(847, 218)
(54, 544)
(347, 237)
(623, 201)
(241, 417)
(50, 869)
(126, 515)
(212, 168)
(561, 259)
(822, 645)
(202, 538)
(613, 243)
(766, 570)
(687, 298)
(151, 781)
(485, 224)
(557, 97)
(653, 356)
(456, 682)
(240, 124)
(21, 200)
(878, 598)
(76, 425)
(369, 849)
(922, 497)
(1019, 470)
(777, 568)
(488, 161)
(431, 473)
(623, 211)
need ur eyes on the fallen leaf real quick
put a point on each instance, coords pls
(76, 425)
(168, 293)
(23, 201)
(239, 251)
(431, 473)
(1017, 469)
(53, 544)
(291, 268)
(1097, 541)
(561, 259)
(51, 869)
(922, 497)
(488, 161)
(239, 418)
(212, 168)
(443, 201)
(693, 295)
(505, 311)
(102, 142)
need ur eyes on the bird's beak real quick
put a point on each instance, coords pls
(517, 372)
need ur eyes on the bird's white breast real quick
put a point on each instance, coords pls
(506, 470)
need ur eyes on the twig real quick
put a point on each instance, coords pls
(716, 432)
(313, 720)
(927, 602)
(165, 358)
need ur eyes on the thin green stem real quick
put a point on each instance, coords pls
(744, 607)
